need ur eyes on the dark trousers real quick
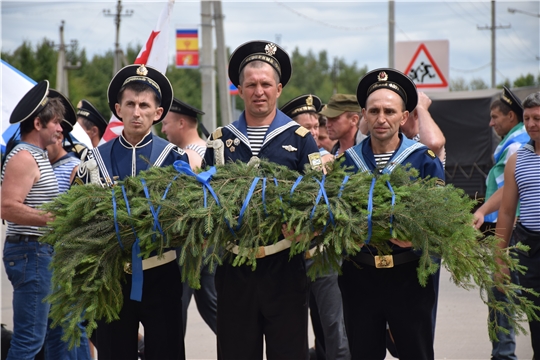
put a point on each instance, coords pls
(531, 278)
(160, 312)
(373, 297)
(270, 302)
(205, 297)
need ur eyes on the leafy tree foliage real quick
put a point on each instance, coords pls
(313, 73)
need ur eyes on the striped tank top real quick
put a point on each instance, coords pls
(62, 169)
(197, 148)
(528, 183)
(45, 190)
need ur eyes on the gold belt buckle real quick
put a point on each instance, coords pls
(127, 268)
(260, 253)
(384, 262)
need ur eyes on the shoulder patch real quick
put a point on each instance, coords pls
(217, 133)
(430, 153)
(302, 131)
(315, 161)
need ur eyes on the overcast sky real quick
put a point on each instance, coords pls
(354, 30)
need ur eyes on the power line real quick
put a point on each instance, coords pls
(403, 32)
(471, 70)
(523, 44)
(325, 23)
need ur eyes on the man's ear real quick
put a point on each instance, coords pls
(404, 118)
(240, 92)
(159, 111)
(37, 123)
(279, 89)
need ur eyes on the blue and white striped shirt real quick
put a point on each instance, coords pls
(528, 183)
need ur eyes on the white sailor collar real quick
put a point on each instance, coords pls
(146, 140)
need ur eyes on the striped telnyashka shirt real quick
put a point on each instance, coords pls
(528, 181)
(62, 169)
(382, 159)
(45, 190)
(256, 136)
(197, 148)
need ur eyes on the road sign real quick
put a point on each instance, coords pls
(425, 62)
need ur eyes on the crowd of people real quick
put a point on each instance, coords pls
(354, 315)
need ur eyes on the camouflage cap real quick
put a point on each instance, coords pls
(340, 103)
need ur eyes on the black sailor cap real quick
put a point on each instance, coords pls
(70, 116)
(391, 79)
(302, 104)
(510, 99)
(31, 103)
(181, 107)
(146, 75)
(264, 51)
(88, 111)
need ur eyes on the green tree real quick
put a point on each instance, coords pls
(478, 84)
(458, 84)
(525, 80)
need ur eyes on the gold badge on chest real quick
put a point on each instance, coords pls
(228, 143)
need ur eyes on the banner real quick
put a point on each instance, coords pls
(187, 48)
(15, 85)
(155, 54)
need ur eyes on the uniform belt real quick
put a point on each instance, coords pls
(263, 251)
(385, 261)
(154, 261)
(311, 252)
(15, 239)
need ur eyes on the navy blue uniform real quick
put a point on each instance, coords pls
(373, 297)
(271, 301)
(160, 307)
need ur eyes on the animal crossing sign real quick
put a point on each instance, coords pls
(425, 62)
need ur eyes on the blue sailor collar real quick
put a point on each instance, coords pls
(530, 146)
(363, 157)
(146, 140)
(280, 123)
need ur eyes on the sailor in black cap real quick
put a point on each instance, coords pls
(506, 115)
(181, 127)
(91, 120)
(140, 96)
(64, 162)
(386, 97)
(303, 109)
(325, 298)
(28, 181)
(271, 302)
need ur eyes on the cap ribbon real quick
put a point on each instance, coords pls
(145, 80)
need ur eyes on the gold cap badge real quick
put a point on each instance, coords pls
(142, 70)
(309, 100)
(383, 76)
(270, 49)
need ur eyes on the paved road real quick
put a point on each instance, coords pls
(461, 325)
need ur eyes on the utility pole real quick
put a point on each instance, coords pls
(223, 78)
(61, 66)
(391, 33)
(119, 59)
(208, 73)
(493, 51)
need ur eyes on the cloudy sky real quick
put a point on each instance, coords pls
(354, 30)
